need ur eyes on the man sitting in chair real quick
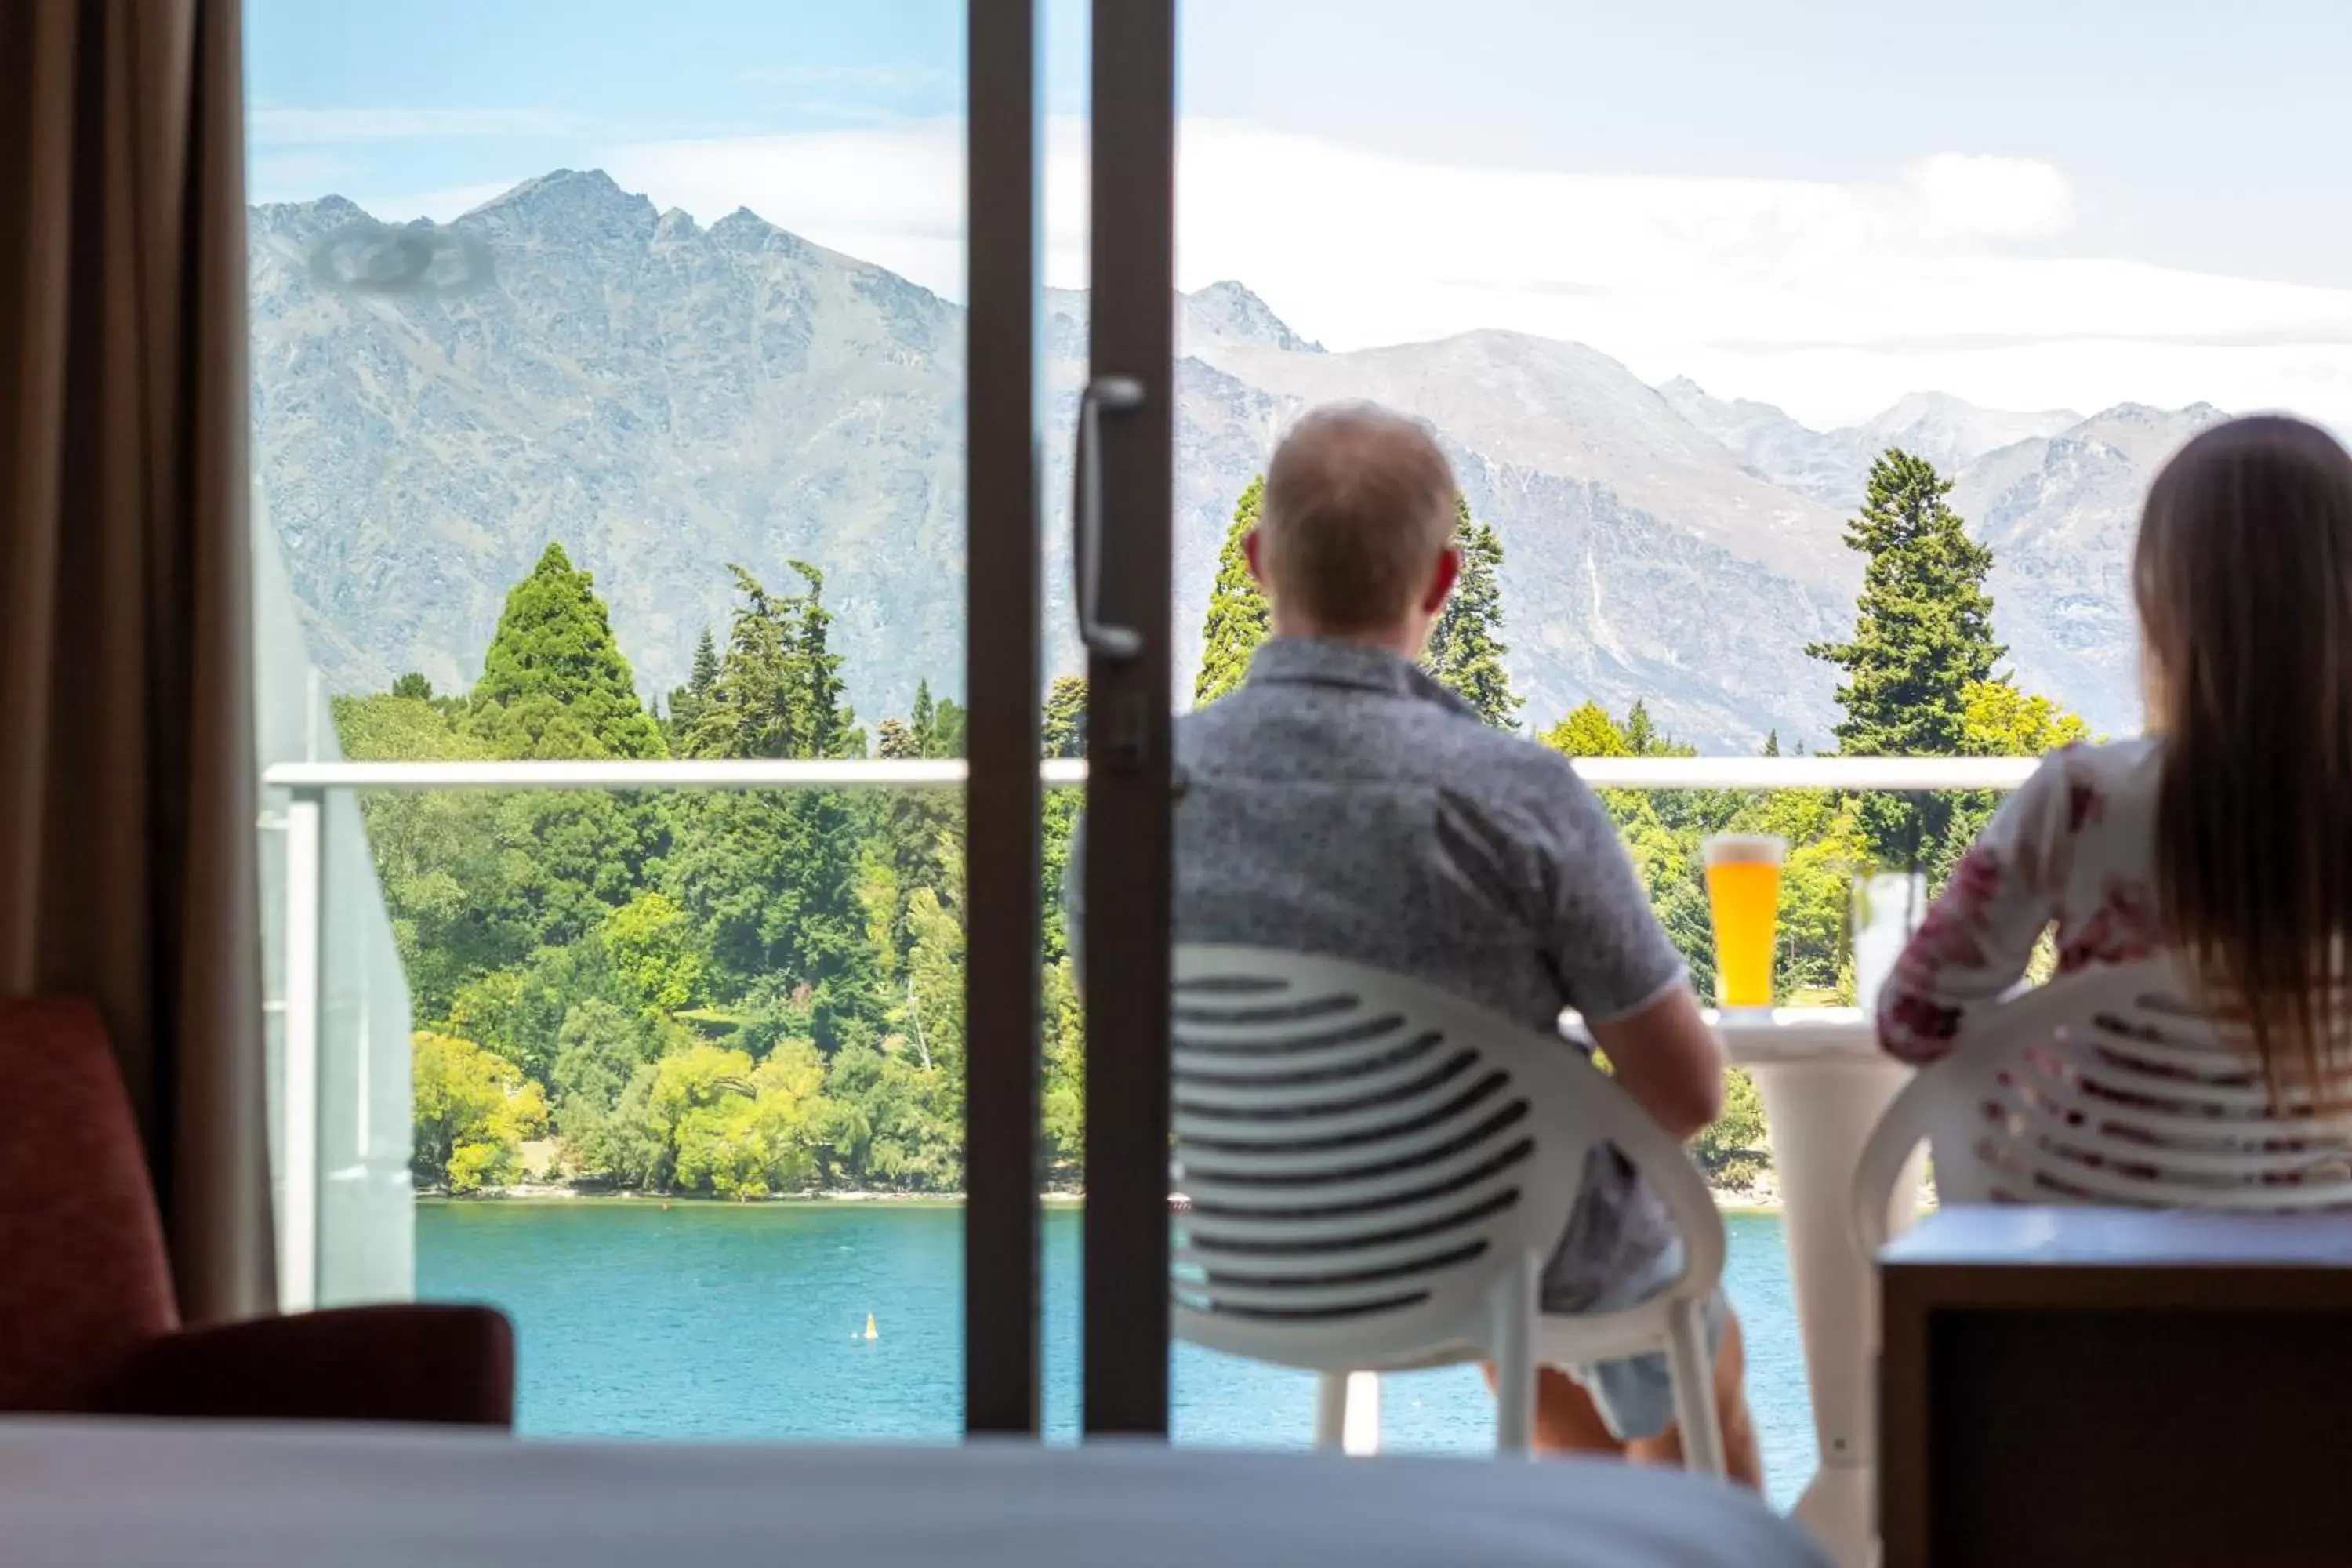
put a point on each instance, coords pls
(1343, 803)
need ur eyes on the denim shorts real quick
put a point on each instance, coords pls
(1635, 1397)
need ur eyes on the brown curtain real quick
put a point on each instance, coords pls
(127, 782)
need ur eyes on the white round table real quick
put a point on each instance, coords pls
(1824, 1084)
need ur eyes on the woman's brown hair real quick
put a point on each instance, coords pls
(2243, 575)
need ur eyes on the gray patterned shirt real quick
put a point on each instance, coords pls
(1343, 803)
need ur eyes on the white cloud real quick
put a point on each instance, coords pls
(892, 195)
(1961, 196)
(299, 127)
(293, 176)
(1833, 298)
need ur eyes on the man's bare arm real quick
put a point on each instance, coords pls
(1667, 1059)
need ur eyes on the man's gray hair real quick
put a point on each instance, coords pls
(1358, 505)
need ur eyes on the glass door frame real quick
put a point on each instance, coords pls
(1131, 353)
(1002, 1361)
(1125, 621)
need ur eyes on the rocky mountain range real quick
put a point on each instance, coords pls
(433, 404)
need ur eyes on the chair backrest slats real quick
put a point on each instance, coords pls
(2107, 1086)
(1363, 1157)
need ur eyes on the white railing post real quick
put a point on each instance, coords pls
(297, 1217)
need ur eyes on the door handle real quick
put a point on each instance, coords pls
(1118, 395)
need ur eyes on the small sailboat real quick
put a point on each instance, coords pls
(871, 1332)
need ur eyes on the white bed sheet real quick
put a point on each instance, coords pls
(79, 1494)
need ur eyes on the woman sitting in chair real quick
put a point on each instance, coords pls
(2223, 836)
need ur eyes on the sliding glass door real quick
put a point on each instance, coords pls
(646, 441)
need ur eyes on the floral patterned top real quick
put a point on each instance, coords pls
(2072, 847)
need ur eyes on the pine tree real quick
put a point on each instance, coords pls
(1773, 742)
(1642, 739)
(1236, 622)
(1063, 730)
(922, 718)
(917, 834)
(687, 703)
(554, 683)
(776, 878)
(779, 691)
(1466, 647)
(1922, 637)
(832, 727)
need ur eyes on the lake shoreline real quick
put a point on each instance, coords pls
(1729, 1203)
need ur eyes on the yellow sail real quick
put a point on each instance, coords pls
(870, 1332)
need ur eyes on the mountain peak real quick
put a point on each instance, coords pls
(1227, 314)
(574, 202)
(1951, 432)
(742, 220)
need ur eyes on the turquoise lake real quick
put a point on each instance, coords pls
(715, 1320)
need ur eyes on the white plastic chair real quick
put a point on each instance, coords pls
(2103, 1087)
(1377, 1173)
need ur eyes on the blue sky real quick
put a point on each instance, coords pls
(1818, 202)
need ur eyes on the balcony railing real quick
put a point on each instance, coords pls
(1822, 1080)
(1916, 773)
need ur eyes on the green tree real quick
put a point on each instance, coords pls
(777, 881)
(1063, 729)
(1063, 734)
(778, 691)
(400, 727)
(1732, 1149)
(554, 683)
(1587, 731)
(471, 1111)
(1641, 737)
(1062, 1090)
(654, 954)
(935, 728)
(1997, 719)
(1466, 647)
(741, 1130)
(1237, 620)
(601, 1048)
(687, 703)
(1922, 637)
(518, 1013)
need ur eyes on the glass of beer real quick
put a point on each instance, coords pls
(1743, 897)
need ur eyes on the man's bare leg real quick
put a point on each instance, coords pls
(1567, 1421)
(1742, 1461)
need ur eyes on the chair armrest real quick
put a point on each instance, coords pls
(405, 1362)
(1901, 1128)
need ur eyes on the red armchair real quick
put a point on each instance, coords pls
(87, 1322)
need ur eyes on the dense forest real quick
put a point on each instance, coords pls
(741, 993)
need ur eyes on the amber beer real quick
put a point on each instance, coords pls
(1743, 896)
